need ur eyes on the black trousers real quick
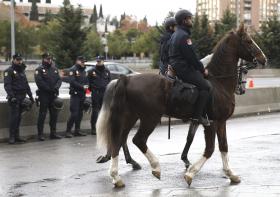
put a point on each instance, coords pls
(15, 117)
(196, 78)
(76, 110)
(46, 103)
(97, 99)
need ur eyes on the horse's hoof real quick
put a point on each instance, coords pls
(136, 166)
(235, 179)
(119, 184)
(102, 159)
(156, 174)
(188, 179)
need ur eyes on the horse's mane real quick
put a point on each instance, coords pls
(219, 61)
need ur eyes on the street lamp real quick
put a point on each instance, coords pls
(12, 28)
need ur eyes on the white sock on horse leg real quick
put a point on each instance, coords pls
(114, 170)
(195, 168)
(226, 167)
(153, 161)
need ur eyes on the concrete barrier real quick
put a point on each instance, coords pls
(255, 101)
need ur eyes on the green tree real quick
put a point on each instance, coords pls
(118, 44)
(48, 17)
(227, 23)
(34, 15)
(115, 22)
(26, 39)
(70, 36)
(269, 41)
(101, 12)
(92, 46)
(94, 17)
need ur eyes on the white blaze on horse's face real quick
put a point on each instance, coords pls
(251, 51)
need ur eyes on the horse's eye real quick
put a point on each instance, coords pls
(249, 41)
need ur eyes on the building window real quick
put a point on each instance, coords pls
(48, 1)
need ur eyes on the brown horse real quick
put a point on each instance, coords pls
(146, 97)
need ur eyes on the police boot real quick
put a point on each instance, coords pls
(41, 136)
(12, 139)
(19, 139)
(93, 131)
(54, 136)
(78, 133)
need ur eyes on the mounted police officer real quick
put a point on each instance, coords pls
(16, 86)
(78, 86)
(187, 66)
(48, 82)
(98, 77)
(169, 24)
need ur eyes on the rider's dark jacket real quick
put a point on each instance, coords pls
(182, 56)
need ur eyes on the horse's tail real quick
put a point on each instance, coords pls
(108, 122)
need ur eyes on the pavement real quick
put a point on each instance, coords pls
(67, 167)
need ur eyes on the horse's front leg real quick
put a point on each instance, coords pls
(209, 133)
(223, 146)
(129, 159)
(192, 130)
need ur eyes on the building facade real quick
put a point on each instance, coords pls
(251, 12)
(44, 6)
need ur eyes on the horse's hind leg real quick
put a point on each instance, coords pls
(223, 146)
(209, 133)
(129, 159)
(147, 126)
(192, 129)
(114, 167)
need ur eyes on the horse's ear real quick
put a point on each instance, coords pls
(241, 29)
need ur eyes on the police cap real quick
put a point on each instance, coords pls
(46, 55)
(81, 58)
(17, 56)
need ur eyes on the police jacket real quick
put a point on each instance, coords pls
(15, 82)
(98, 78)
(182, 56)
(164, 47)
(47, 79)
(77, 79)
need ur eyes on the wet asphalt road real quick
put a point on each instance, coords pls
(67, 167)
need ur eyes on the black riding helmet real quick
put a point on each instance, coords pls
(169, 22)
(181, 15)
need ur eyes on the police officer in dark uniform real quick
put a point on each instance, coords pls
(48, 82)
(98, 77)
(78, 86)
(169, 24)
(187, 66)
(16, 86)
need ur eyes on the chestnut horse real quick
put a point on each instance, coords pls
(146, 97)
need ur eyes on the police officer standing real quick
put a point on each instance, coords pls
(78, 86)
(186, 64)
(98, 77)
(16, 86)
(169, 24)
(48, 82)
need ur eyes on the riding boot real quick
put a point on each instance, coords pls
(53, 135)
(200, 106)
(18, 138)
